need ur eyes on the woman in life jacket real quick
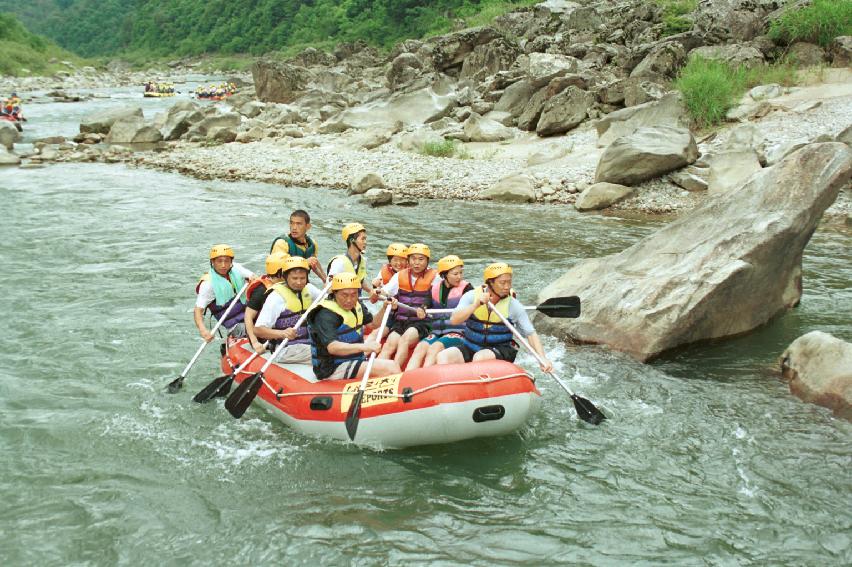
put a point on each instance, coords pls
(485, 337)
(413, 287)
(217, 288)
(447, 291)
(257, 292)
(283, 309)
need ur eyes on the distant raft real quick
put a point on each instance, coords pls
(439, 404)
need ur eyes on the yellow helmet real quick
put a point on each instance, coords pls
(419, 249)
(350, 229)
(496, 269)
(221, 250)
(294, 262)
(398, 249)
(275, 262)
(447, 263)
(345, 280)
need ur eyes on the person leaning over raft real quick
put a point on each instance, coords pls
(284, 308)
(353, 261)
(257, 292)
(298, 243)
(485, 335)
(217, 288)
(337, 334)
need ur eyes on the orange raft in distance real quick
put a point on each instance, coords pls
(439, 404)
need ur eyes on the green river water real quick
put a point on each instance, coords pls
(706, 459)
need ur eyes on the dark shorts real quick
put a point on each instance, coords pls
(422, 327)
(345, 371)
(449, 340)
(502, 352)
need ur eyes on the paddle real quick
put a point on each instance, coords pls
(354, 413)
(222, 385)
(586, 410)
(558, 307)
(242, 397)
(176, 384)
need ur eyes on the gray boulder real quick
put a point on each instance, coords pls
(840, 51)
(663, 60)
(806, 54)
(528, 118)
(818, 368)
(645, 154)
(480, 129)
(724, 269)
(452, 49)
(729, 170)
(487, 59)
(178, 123)
(515, 98)
(542, 67)
(602, 195)
(133, 130)
(377, 197)
(668, 111)
(205, 128)
(7, 157)
(100, 121)
(363, 182)
(734, 55)
(564, 111)
(517, 188)
(403, 69)
(275, 81)
(9, 135)
(845, 136)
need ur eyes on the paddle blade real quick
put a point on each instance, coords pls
(561, 307)
(587, 411)
(354, 415)
(241, 398)
(215, 388)
(175, 385)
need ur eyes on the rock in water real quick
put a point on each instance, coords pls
(726, 268)
(818, 367)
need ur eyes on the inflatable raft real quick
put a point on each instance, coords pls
(440, 404)
(16, 120)
(157, 95)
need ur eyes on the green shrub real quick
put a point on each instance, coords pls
(711, 88)
(674, 12)
(820, 22)
(445, 148)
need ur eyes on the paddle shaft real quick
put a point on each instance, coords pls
(526, 344)
(213, 331)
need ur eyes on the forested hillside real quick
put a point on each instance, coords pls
(21, 49)
(191, 27)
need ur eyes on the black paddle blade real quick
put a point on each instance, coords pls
(175, 385)
(587, 411)
(561, 307)
(214, 389)
(241, 398)
(354, 415)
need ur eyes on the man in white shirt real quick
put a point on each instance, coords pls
(216, 291)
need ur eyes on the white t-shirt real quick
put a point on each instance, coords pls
(274, 305)
(205, 290)
(338, 266)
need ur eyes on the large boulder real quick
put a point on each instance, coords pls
(564, 111)
(9, 135)
(602, 195)
(724, 269)
(451, 50)
(178, 123)
(734, 55)
(487, 59)
(207, 127)
(275, 81)
(100, 121)
(806, 54)
(726, 21)
(645, 154)
(416, 107)
(403, 69)
(542, 67)
(668, 111)
(528, 119)
(517, 188)
(364, 181)
(729, 170)
(818, 368)
(515, 98)
(377, 197)
(480, 129)
(663, 60)
(840, 51)
(133, 130)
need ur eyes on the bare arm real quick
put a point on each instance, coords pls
(535, 342)
(198, 315)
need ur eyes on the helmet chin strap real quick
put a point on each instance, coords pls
(492, 290)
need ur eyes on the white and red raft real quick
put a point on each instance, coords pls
(439, 404)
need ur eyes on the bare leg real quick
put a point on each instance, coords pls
(404, 347)
(484, 354)
(432, 354)
(450, 356)
(390, 346)
(416, 360)
(380, 368)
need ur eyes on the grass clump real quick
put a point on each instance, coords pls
(711, 88)
(444, 148)
(674, 15)
(820, 22)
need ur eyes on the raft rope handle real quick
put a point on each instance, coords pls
(408, 395)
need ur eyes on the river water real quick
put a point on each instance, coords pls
(706, 458)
